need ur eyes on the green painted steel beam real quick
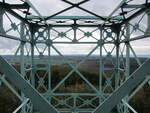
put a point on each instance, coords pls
(142, 10)
(135, 79)
(7, 7)
(83, 9)
(72, 6)
(10, 87)
(139, 87)
(133, 6)
(135, 38)
(18, 6)
(40, 104)
(13, 37)
(77, 17)
(76, 25)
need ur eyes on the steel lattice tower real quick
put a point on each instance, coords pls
(39, 35)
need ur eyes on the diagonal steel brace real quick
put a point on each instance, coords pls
(135, 79)
(40, 104)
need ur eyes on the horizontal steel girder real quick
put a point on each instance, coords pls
(16, 6)
(40, 104)
(75, 17)
(135, 79)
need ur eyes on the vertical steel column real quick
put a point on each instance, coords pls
(74, 40)
(22, 71)
(117, 65)
(1, 29)
(32, 30)
(127, 68)
(27, 108)
(49, 42)
(75, 32)
(148, 23)
(22, 49)
(100, 62)
(32, 65)
(1, 21)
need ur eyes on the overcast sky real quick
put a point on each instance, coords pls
(49, 7)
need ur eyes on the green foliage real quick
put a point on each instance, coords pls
(8, 101)
(141, 101)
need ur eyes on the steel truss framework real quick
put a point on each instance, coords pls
(110, 36)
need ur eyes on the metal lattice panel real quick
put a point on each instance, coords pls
(39, 36)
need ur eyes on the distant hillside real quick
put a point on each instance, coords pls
(91, 64)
